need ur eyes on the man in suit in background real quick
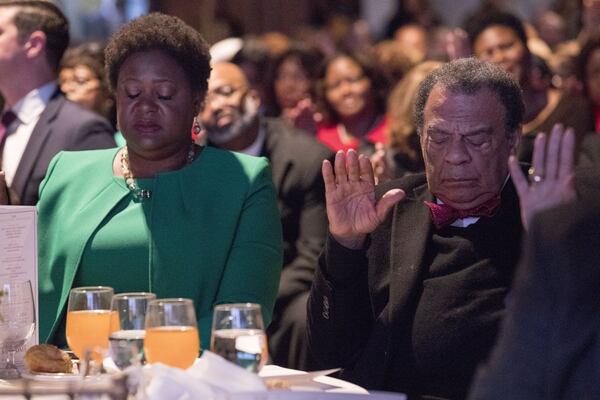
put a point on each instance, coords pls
(37, 121)
(411, 300)
(549, 345)
(231, 120)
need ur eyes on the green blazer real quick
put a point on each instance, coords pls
(215, 231)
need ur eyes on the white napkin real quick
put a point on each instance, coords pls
(211, 377)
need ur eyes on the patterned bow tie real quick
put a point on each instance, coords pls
(443, 215)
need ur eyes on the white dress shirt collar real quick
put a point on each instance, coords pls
(31, 106)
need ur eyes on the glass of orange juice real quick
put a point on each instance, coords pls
(90, 320)
(171, 333)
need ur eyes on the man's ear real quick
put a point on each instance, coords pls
(255, 97)
(35, 44)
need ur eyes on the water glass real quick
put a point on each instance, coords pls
(90, 320)
(238, 335)
(17, 322)
(171, 333)
(127, 338)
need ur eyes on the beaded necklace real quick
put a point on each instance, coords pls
(139, 193)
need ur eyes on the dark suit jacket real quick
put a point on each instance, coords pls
(296, 165)
(549, 347)
(589, 154)
(63, 125)
(353, 313)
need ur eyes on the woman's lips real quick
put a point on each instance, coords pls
(146, 126)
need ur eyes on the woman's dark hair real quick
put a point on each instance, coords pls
(371, 72)
(591, 44)
(477, 25)
(168, 34)
(309, 59)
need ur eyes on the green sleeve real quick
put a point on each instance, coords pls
(256, 256)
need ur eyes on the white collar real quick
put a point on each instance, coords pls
(31, 106)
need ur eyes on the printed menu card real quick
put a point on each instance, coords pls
(18, 256)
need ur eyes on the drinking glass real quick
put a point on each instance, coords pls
(17, 322)
(238, 335)
(171, 333)
(127, 338)
(89, 320)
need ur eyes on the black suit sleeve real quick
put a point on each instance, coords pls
(339, 314)
(94, 133)
(298, 274)
(552, 314)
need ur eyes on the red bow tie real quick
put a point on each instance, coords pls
(443, 214)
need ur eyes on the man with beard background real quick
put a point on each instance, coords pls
(231, 121)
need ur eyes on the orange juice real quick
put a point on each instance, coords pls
(87, 329)
(177, 346)
(115, 324)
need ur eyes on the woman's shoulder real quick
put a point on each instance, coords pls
(84, 157)
(230, 161)
(74, 165)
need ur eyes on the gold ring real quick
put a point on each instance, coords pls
(533, 176)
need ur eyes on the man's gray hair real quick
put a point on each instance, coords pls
(468, 76)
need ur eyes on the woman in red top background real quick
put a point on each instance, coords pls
(351, 103)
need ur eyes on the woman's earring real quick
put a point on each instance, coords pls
(197, 128)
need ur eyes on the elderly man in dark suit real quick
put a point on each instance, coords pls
(549, 345)
(411, 300)
(231, 120)
(37, 121)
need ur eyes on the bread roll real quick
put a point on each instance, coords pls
(47, 358)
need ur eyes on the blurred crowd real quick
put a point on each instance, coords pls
(299, 99)
(350, 91)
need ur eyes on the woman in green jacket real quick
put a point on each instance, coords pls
(160, 214)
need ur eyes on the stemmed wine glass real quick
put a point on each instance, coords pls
(238, 335)
(89, 320)
(127, 337)
(17, 322)
(171, 333)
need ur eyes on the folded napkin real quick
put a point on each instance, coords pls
(211, 377)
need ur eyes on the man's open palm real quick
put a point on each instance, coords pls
(352, 209)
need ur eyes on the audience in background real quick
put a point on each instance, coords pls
(290, 92)
(351, 100)
(500, 38)
(394, 61)
(588, 71)
(82, 79)
(254, 59)
(37, 121)
(414, 37)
